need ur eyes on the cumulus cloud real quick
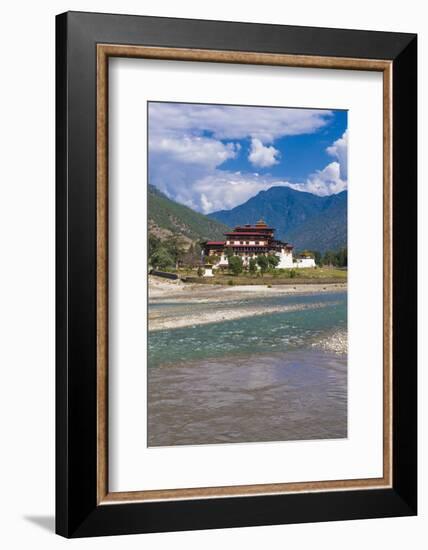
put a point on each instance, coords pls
(323, 182)
(334, 177)
(224, 190)
(233, 122)
(339, 150)
(189, 144)
(261, 155)
(195, 150)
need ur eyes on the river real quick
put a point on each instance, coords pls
(273, 377)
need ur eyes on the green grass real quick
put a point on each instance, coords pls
(277, 277)
(318, 273)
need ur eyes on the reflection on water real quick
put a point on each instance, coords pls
(253, 379)
(278, 397)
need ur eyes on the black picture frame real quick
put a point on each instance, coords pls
(77, 512)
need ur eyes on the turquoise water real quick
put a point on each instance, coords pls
(258, 378)
(263, 334)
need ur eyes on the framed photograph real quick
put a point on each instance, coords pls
(236, 279)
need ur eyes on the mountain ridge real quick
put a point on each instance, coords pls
(305, 220)
(168, 218)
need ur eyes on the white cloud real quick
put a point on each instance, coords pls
(323, 182)
(327, 181)
(214, 190)
(233, 122)
(206, 205)
(224, 190)
(189, 142)
(261, 155)
(195, 150)
(339, 150)
(334, 177)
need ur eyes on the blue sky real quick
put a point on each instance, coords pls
(214, 157)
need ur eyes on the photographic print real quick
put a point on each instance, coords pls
(247, 274)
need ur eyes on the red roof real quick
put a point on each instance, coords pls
(248, 233)
(233, 245)
(253, 228)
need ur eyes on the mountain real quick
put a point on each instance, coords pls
(325, 231)
(167, 218)
(303, 219)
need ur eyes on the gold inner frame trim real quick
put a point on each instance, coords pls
(104, 51)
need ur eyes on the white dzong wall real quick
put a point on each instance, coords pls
(305, 262)
(285, 259)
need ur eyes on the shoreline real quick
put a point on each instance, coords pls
(175, 307)
(157, 321)
(160, 290)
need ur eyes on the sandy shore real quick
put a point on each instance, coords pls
(179, 305)
(161, 320)
(177, 291)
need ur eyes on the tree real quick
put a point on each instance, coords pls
(317, 257)
(213, 259)
(329, 258)
(252, 266)
(154, 244)
(175, 248)
(273, 260)
(263, 263)
(235, 264)
(192, 257)
(162, 259)
(337, 258)
(342, 257)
